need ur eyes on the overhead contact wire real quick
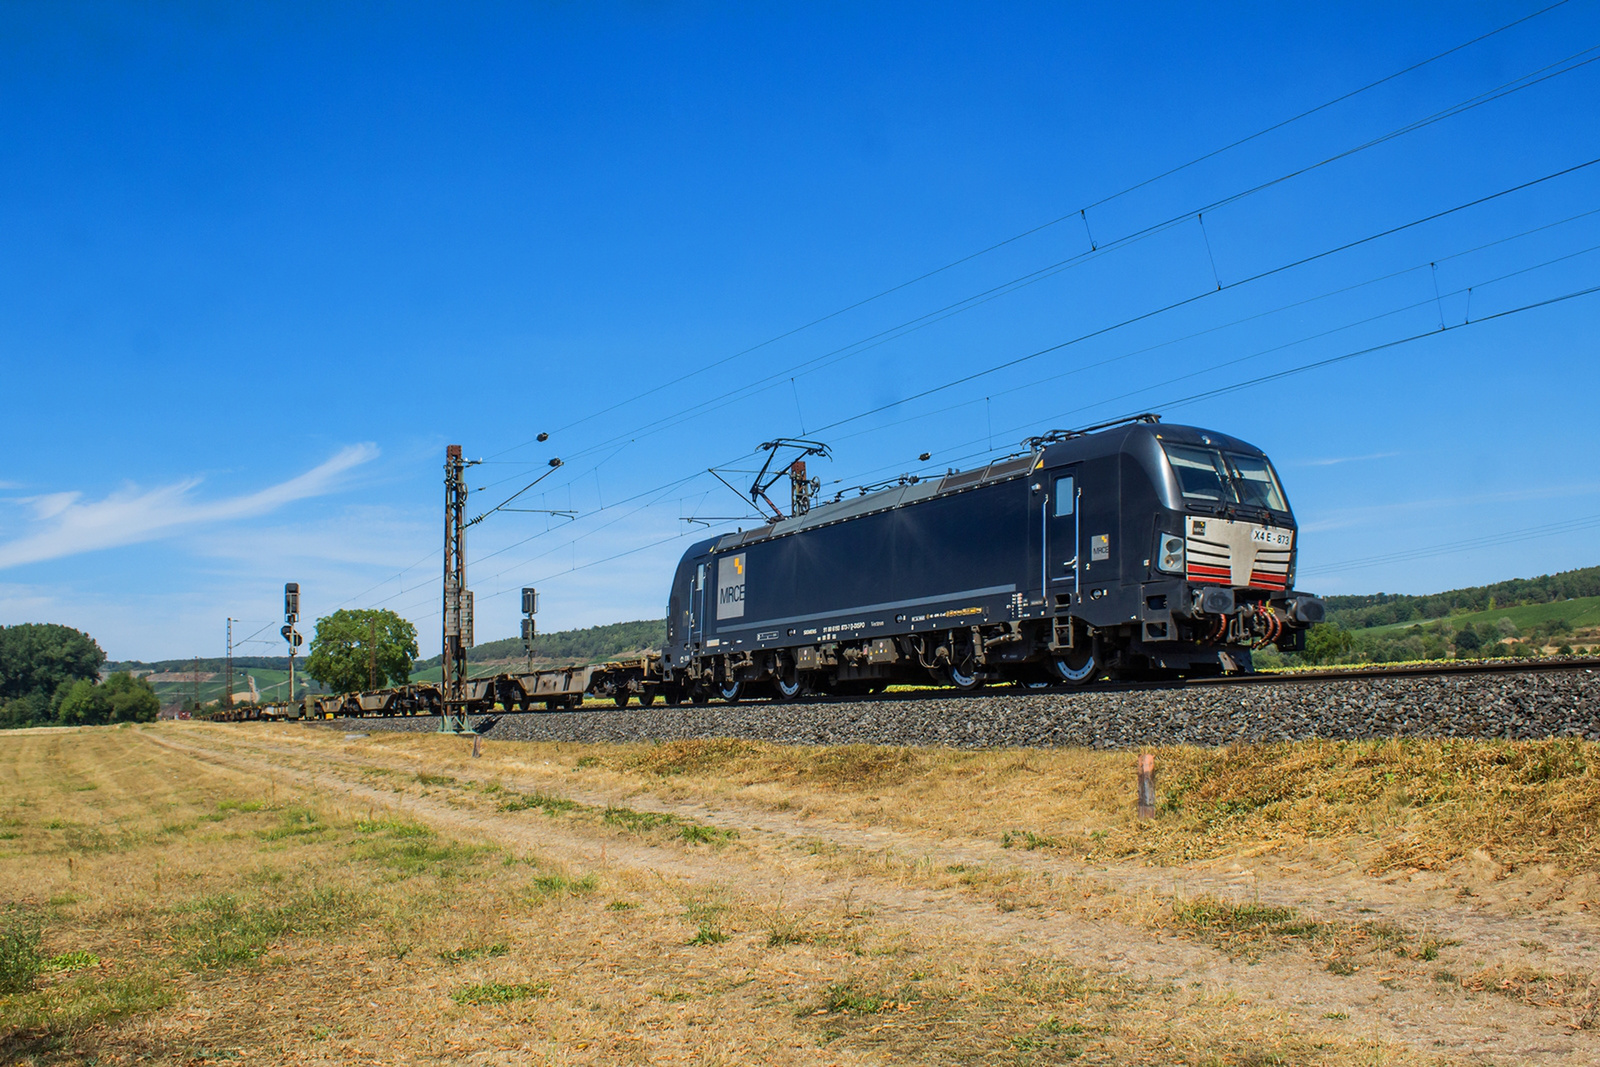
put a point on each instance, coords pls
(1080, 212)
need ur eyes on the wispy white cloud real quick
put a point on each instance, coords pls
(50, 505)
(1336, 460)
(67, 525)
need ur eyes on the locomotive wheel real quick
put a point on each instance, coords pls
(621, 698)
(699, 695)
(672, 695)
(789, 687)
(961, 679)
(731, 691)
(1079, 666)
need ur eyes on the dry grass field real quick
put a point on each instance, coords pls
(260, 893)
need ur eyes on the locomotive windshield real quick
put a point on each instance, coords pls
(1255, 482)
(1231, 478)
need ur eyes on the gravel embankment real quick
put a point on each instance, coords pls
(1521, 706)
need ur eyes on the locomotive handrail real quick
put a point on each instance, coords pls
(1055, 436)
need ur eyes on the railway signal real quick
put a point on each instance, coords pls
(530, 630)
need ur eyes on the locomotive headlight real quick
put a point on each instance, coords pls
(1170, 557)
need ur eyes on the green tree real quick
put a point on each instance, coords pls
(35, 658)
(355, 650)
(121, 698)
(31, 710)
(1326, 643)
(1468, 640)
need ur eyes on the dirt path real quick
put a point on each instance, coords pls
(775, 863)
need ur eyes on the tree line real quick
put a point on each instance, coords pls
(1437, 631)
(1385, 609)
(50, 676)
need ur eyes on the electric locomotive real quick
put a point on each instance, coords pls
(1137, 549)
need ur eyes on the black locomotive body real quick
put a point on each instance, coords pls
(1142, 550)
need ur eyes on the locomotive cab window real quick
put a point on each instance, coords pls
(1202, 474)
(1065, 496)
(700, 577)
(1256, 482)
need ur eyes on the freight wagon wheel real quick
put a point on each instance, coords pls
(621, 698)
(731, 691)
(1078, 666)
(699, 695)
(647, 698)
(672, 695)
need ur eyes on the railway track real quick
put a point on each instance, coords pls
(1512, 700)
(1419, 670)
(1264, 678)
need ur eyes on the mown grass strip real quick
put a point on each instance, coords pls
(545, 802)
(628, 819)
(557, 884)
(20, 962)
(500, 992)
(642, 822)
(475, 952)
(1250, 927)
(409, 849)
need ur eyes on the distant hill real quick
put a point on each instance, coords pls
(592, 645)
(271, 663)
(174, 680)
(1386, 609)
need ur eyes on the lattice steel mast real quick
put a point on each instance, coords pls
(457, 597)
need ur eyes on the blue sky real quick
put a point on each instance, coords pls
(264, 262)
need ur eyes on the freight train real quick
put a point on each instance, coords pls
(1134, 550)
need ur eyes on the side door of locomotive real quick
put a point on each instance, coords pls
(696, 599)
(1060, 520)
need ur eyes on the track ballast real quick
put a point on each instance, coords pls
(1519, 700)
